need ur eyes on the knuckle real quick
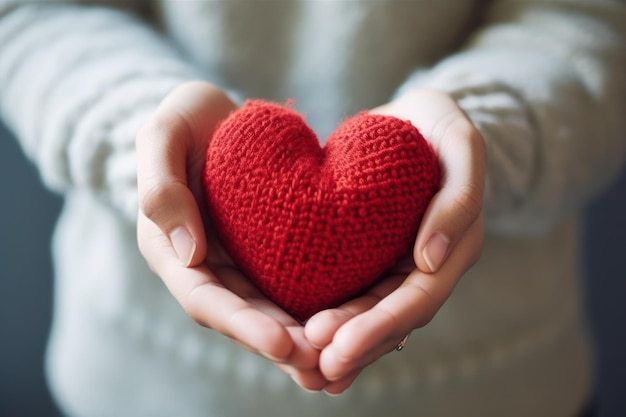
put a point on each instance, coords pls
(189, 303)
(157, 198)
(453, 129)
(468, 203)
(160, 125)
(153, 200)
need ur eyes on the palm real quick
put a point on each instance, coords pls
(362, 330)
(176, 239)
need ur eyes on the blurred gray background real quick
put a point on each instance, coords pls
(27, 216)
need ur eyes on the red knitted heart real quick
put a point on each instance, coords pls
(311, 226)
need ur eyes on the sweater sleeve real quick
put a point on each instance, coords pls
(545, 84)
(75, 85)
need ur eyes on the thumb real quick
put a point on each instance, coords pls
(164, 195)
(462, 155)
(171, 147)
(458, 204)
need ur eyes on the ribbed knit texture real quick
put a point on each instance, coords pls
(77, 116)
(314, 226)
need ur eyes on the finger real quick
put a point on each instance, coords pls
(303, 355)
(321, 328)
(339, 386)
(215, 307)
(462, 156)
(302, 364)
(458, 203)
(310, 380)
(212, 305)
(170, 146)
(338, 360)
(376, 331)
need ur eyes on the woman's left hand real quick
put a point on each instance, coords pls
(448, 243)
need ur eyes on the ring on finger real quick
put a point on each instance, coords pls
(400, 345)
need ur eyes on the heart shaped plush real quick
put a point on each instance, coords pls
(314, 226)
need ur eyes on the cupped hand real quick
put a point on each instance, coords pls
(448, 243)
(177, 242)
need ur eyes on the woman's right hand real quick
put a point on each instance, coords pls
(180, 247)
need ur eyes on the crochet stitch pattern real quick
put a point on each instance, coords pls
(314, 226)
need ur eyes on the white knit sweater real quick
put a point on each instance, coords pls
(542, 80)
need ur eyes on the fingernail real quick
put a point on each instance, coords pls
(436, 250)
(183, 244)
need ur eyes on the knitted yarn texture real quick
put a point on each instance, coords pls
(314, 226)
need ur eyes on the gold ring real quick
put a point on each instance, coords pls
(402, 343)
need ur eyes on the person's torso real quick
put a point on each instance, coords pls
(333, 57)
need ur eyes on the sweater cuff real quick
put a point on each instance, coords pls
(76, 85)
(509, 132)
